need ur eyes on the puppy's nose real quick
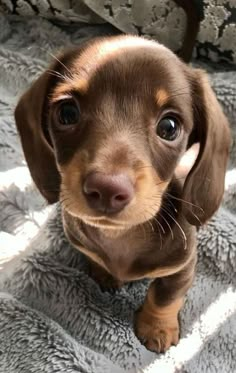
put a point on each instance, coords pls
(108, 193)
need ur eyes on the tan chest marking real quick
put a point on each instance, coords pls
(157, 273)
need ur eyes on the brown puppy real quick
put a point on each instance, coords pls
(103, 131)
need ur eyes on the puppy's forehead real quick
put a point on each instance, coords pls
(104, 50)
(123, 56)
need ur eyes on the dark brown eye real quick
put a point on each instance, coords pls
(168, 129)
(68, 113)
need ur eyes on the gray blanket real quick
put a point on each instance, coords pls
(53, 316)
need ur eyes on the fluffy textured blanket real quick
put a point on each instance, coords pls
(53, 316)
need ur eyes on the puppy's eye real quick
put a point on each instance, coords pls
(68, 113)
(168, 128)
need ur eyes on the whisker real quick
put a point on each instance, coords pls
(157, 198)
(174, 208)
(149, 223)
(160, 237)
(144, 231)
(171, 231)
(143, 225)
(160, 225)
(56, 74)
(156, 220)
(57, 59)
(190, 210)
(195, 217)
(187, 202)
(179, 226)
(60, 62)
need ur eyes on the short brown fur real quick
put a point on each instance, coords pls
(128, 85)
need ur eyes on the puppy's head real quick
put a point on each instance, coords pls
(104, 128)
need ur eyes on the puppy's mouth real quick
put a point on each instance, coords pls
(138, 212)
(102, 222)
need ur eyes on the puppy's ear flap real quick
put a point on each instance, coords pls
(204, 185)
(30, 114)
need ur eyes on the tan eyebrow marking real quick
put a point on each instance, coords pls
(64, 89)
(61, 97)
(162, 96)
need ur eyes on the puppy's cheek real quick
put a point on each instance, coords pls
(149, 191)
(71, 195)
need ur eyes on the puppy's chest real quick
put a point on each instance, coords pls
(117, 256)
(133, 256)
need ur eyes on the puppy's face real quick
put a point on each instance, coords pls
(105, 127)
(119, 124)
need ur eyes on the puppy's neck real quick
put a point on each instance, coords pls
(107, 234)
(115, 233)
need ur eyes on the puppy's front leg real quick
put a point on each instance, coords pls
(157, 323)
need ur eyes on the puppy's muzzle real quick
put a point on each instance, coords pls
(108, 193)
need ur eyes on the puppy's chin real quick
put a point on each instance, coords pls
(115, 225)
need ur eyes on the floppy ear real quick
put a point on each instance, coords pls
(30, 114)
(204, 185)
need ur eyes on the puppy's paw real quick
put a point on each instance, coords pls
(155, 333)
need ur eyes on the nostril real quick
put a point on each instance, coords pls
(94, 195)
(120, 197)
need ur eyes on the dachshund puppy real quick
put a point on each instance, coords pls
(103, 131)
